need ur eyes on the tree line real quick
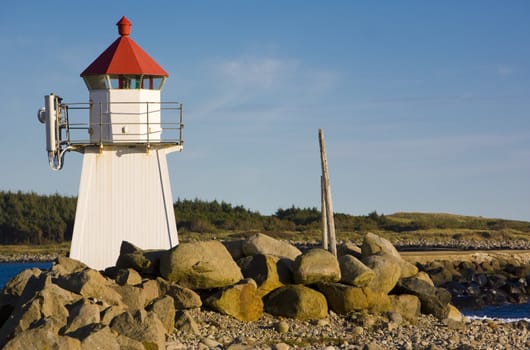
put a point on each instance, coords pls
(30, 218)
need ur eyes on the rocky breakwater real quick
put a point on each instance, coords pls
(173, 299)
(482, 278)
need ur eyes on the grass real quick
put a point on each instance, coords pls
(435, 227)
(43, 249)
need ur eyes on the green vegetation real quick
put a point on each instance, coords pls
(29, 218)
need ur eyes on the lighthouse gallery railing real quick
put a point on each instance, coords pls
(159, 123)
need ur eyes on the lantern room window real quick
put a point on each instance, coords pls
(122, 81)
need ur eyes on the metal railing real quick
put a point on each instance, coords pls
(148, 123)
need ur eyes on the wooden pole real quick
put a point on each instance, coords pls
(325, 244)
(327, 189)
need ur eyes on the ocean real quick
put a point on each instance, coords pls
(503, 313)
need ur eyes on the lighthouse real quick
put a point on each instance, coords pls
(125, 191)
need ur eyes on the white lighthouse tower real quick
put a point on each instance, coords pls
(124, 192)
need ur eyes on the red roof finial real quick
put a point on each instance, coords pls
(124, 26)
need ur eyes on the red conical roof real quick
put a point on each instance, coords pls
(124, 56)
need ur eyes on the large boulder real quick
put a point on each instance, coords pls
(46, 302)
(100, 338)
(263, 244)
(408, 306)
(376, 245)
(128, 276)
(22, 287)
(64, 266)
(131, 296)
(268, 271)
(143, 327)
(377, 301)
(235, 248)
(200, 265)
(42, 337)
(82, 313)
(433, 300)
(316, 265)
(183, 298)
(164, 309)
(296, 301)
(354, 272)
(90, 284)
(240, 301)
(144, 261)
(349, 248)
(387, 271)
(342, 298)
(184, 322)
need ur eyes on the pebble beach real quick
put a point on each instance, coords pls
(355, 331)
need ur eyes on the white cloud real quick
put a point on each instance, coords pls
(505, 70)
(256, 72)
(267, 83)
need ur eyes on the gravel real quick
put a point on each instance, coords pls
(355, 331)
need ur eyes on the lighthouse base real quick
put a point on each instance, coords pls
(124, 195)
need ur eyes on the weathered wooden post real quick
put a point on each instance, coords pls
(325, 244)
(328, 204)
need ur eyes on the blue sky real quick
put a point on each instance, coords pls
(425, 105)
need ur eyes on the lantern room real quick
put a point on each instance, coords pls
(124, 84)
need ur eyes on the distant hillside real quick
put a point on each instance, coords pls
(30, 218)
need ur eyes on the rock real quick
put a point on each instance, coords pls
(184, 298)
(433, 300)
(14, 289)
(240, 301)
(108, 314)
(454, 318)
(342, 298)
(101, 338)
(186, 323)
(282, 327)
(424, 276)
(151, 290)
(377, 301)
(90, 284)
(47, 302)
(407, 305)
(296, 301)
(42, 338)
(200, 265)
(349, 248)
(211, 343)
(235, 248)
(146, 262)
(147, 329)
(128, 276)
(131, 296)
(129, 344)
(82, 313)
(263, 244)
(387, 272)
(164, 309)
(354, 272)
(64, 266)
(281, 346)
(316, 265)
(269, 271)
(372, 346)
(376, 245)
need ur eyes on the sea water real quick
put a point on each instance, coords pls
(503, 313)
(10, 270)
